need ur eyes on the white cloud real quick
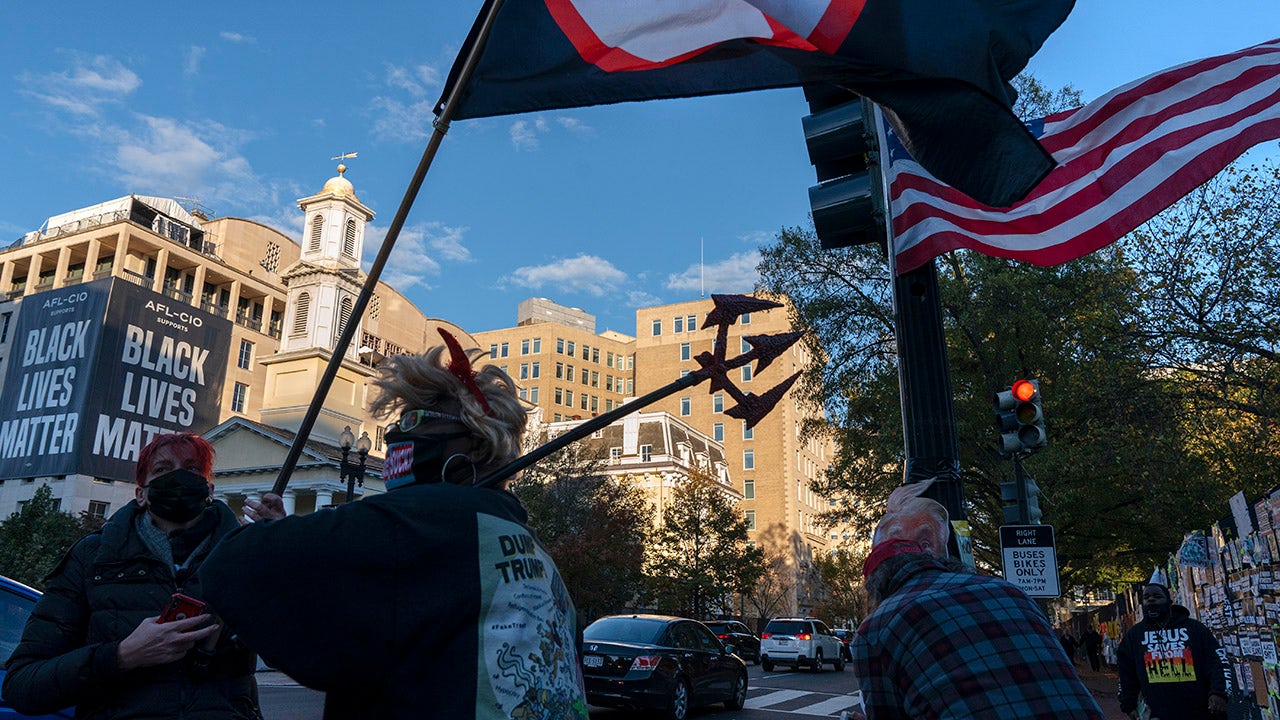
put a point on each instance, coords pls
(527, 134)
(83, 89)
(192, 65)
(168, 157)
(401, 119)
(737, 274)
(640, 298)
(584, 273)
(237, 38)
(757, 237)
(418, 254)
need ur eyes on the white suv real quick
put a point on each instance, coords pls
(799, 642)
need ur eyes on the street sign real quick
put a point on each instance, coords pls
(1030, 559)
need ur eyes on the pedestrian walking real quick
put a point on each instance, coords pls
(1092, 640)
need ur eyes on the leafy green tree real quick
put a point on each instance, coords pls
(845, 603)
(595, 526)
(34, 539)
(699, 559)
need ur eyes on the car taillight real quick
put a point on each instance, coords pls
(645, 662)
(804, 636)
(765, 636)
(722, 636)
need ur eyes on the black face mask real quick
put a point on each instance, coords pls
(413, 459)
(178, 496)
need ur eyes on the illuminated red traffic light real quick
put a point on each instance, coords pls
(1024, 390)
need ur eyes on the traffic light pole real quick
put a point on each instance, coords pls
(931, 442)
(1020, 478)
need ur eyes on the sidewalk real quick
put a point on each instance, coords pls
(1103, 686)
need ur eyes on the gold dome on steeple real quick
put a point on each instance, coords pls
(339, 185)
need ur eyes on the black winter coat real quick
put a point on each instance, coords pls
(99, 593)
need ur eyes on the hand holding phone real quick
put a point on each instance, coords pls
(181, 607)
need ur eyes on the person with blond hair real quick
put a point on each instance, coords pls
(431, 600)
(943, 642)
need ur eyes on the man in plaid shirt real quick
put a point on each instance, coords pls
(943, 642)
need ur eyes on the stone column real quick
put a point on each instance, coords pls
(162, 264)
(60, 270)
(323, 497)
(290, 499)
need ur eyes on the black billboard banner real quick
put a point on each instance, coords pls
(50, 375)
(161, 368)
(99, 369)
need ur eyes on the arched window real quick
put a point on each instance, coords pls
(344, 313)
(300, 314)
(349, 240)
(317, 227)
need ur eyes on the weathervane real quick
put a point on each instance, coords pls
(751, 408)
(343, 156)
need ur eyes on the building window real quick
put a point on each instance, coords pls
(245, 359)
(537, 345)
(586, 352)
(570, 348)
(748, 432)
(595, 355)
(524, 371)
(686, 351)
(98, 509)
(344, 314)
(744, 346)
(317, 229)
(750, 517)
(239, 395)
(560, 345)
(595, 378)
(533, 395)
(493, 350)
(646, 453)
(717, 403)
(568, 398)
(568, 373)
(506, 348)
(349, 239)
(744, 319)
(595, 403)
(657, 328)
(559, 371)
(686, 406)
(615, 454)
(748, 489)
(585, 399)
(559, 396)
(4, 326)
(691, 322)
(630, 386)
(524, 346)
(677, 325)
(748, 459)
(717, 431)
(300, 313)
(746, 373)
(537, 370)
(379, 437)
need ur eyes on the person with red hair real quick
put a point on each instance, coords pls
(94, 639)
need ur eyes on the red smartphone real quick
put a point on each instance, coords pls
(181, 607)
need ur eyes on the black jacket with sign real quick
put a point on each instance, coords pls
(429, 601)
(1175, 666)
(101, 591)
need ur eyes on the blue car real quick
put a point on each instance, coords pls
(16, 602)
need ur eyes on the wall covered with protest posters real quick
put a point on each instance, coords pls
(1228, 575)
(98, 369)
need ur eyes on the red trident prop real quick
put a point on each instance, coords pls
(714, 367)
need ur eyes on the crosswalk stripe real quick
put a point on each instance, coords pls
(828, 707)
(773, 698)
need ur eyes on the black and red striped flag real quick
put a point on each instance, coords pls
(1122, 159)
(940, 68)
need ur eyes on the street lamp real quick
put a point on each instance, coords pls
(353, 472)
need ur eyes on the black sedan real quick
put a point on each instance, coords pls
(746, 644)
(656, 661)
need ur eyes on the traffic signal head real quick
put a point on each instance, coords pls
(1032, 491)
(1009, 501)
(843, 152)
(1019, 418)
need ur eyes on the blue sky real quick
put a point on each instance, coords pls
(241, 105)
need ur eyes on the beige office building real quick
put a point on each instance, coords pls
(770, 468)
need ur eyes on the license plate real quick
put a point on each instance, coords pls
(592, 661)
(784, 642)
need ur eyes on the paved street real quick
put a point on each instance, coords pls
(779, 695)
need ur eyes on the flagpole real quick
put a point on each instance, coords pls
(440, 126)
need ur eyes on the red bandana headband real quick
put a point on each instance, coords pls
(887, 549)
(460, 366)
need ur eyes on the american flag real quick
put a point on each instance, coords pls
(1122, 159)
